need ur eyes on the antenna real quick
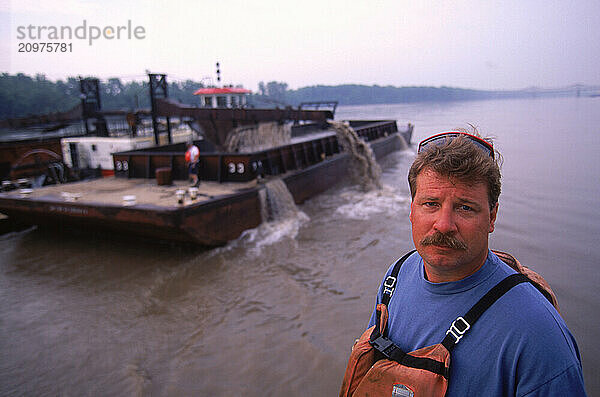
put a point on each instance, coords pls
(218, 72)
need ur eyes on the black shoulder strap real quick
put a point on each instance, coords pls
(389, 284)
(462, 324)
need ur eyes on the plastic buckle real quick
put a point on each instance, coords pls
(389, 285)
(383, 345)
(456, 332)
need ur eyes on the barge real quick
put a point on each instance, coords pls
(149, 195)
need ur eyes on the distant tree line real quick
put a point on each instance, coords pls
(354, 94)
(22, 95)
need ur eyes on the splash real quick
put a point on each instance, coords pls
(364, 169)
(361, 205)
(247, 139)
(402, 143)
(276, 201)
(281, 218)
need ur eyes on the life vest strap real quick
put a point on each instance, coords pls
(389, 286)
(392, 352)
(462, 324)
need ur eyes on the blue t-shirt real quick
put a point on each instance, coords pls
(519, 347)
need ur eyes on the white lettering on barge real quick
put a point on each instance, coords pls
(68, 210)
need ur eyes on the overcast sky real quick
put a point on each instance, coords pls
(480, 44)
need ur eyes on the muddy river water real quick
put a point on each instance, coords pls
(275, 312)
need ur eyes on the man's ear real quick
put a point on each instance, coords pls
(493, 214)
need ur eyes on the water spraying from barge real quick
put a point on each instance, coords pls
(248, 139)
(281, 218)
(276, 201)
(363, 169)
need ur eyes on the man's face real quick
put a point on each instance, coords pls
(451, 221)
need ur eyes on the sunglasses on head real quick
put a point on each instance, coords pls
(446, 136)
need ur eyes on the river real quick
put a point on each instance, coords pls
(275, 312)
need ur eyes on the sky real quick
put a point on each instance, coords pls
(508, 44)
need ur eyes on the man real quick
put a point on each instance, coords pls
(192, 158)
(520, 346)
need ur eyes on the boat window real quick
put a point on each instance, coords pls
(221, 102)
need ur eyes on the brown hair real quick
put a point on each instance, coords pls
(459, 159)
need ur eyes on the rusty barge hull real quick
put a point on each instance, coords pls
(211, 222)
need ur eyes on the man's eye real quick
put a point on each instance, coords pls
(430, 204)
(466, 208)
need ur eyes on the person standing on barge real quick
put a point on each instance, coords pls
(192, 159)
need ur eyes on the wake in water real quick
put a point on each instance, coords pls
(361, 205)
(393, 199)
(364, 169)
(247, 139)
(281, 219)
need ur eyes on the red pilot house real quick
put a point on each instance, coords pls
(226, 97)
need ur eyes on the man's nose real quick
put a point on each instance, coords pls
(444, 222)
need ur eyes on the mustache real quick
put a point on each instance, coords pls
(444, 240)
